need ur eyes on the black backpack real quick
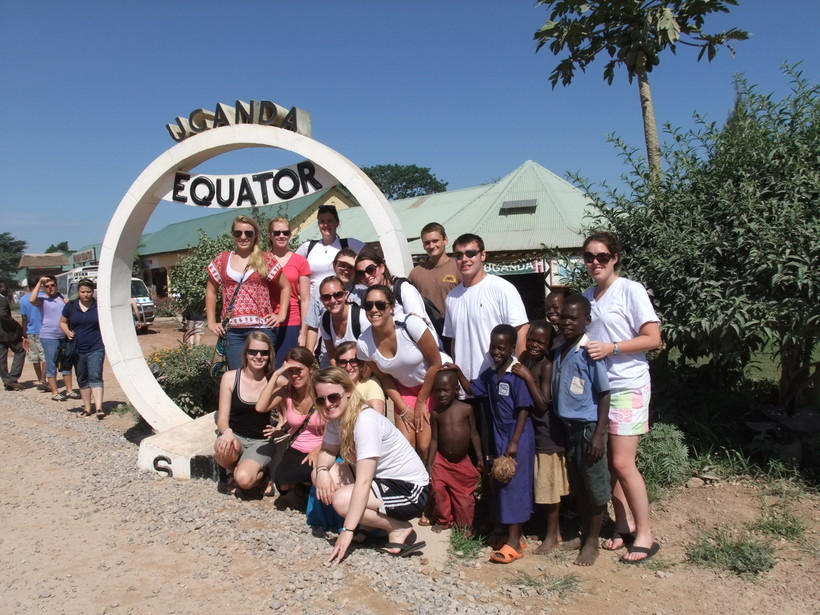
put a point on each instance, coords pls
(433, 313)
(312, 244)
(355, 324)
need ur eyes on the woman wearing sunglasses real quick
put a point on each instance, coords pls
(371, 271)
(343, 321)
(295, 268)
(245, 275)
(242, 446)
(296, 412)
(624, 327)
(405, 358)
(369, 388)
(382, 483)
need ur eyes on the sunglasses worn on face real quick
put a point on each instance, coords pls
(333, 398)
(278, 233)
(379, 305)
(50, 285)
(468, 253)
(369, 270)
(601, 257)
(248, 234)
(252, 352)
(338, 295)
(345, 362)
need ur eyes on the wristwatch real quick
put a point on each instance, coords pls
(616, 350)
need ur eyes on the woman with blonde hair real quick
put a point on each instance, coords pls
(293, 330)
(245, 274)
(381, 483)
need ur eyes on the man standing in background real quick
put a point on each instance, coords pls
(11, 338)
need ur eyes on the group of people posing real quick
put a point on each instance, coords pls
(319, 338)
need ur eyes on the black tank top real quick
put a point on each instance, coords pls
(245, 420)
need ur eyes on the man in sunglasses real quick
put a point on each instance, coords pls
(477, 305)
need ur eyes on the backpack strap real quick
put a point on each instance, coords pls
(326, 323)
(343, 242)
(311, 244)
(355, 323)
(397, 282)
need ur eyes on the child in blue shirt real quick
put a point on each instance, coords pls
(580, 390)
(510, 406)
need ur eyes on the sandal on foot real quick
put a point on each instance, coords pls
(100, 414)
(404, 548)
(506, 555)
(58, 397)
(82, 414)
(73, 395)
(649, 551)
(626, 538)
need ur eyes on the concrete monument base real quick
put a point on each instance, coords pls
(185, 451)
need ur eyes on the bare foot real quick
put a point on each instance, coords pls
(550, 543)
(570, 545)
(438, 528)
(587, 555)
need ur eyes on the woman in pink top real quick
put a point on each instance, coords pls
(293, 330)
(292, 402)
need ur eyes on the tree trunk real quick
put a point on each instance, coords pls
(650, 127)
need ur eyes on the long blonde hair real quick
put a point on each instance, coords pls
(355, 405)
(257, 258)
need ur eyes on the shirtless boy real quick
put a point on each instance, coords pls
(453, 475)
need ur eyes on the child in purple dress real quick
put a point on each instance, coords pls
(510, 405)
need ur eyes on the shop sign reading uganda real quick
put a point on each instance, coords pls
(250, 190)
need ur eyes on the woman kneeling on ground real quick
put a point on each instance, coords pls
(241, 447)
(377, 460)
(294, 405)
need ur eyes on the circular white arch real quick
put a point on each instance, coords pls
(135, 208)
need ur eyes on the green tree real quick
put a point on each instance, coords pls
(632, 33)
(11, 249)
(190, 276)
(728, 240)
(401, 181)
(59, 247)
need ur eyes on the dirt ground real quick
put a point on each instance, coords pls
(78, 540)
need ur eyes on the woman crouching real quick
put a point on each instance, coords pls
(382, 483)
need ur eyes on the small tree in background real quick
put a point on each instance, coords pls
(401, 181)
(632, 34)
(59, 247)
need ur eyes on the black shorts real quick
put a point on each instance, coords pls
(291, 470)
(400, 500)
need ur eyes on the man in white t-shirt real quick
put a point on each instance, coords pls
(477, 305)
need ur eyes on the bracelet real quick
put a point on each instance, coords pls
(318, 468)
(347, 529)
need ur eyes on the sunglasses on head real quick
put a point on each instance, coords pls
(238, 233)
(369, 270)
(278, 233)
(255, 351)
(345, 362)
(379, 305)
(601, 257)
(338, 295)
(468, 253)
(333, 398)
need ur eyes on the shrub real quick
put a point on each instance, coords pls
(663, 459)
(184, 374)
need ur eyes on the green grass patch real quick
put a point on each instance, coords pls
(780, 524)
(463, 545)
(558, 584)
(724, 549)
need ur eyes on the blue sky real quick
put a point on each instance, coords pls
(456, 86)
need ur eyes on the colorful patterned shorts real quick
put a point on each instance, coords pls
(629, 411)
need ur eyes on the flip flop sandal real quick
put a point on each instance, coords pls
(506, 555)
(649, 551)
(626, 538)
(100, 414)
